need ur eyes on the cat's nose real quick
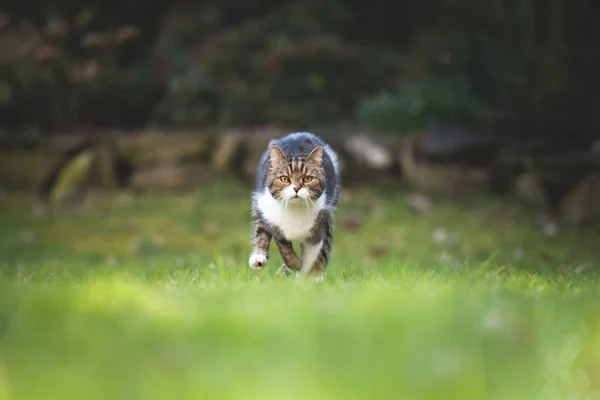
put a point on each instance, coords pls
(296, 188)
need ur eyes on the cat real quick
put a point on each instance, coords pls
(296, 193)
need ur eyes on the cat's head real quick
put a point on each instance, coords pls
(296, 178)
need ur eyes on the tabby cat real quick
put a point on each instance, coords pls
(297, 190)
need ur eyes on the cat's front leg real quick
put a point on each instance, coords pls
(316, 251)
(260, 252)
(314, 260)
(310, 254)
(290, 258)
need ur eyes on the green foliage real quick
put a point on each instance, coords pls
(419, 104)
(68, 67)
(288, 66)
(501, 66)
(514, 66)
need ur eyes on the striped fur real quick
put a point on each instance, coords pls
(296, 208)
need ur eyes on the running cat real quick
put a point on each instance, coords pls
(297, 190)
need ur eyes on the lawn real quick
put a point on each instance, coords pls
(149, 297)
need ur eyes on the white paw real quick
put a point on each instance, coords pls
(257, 261)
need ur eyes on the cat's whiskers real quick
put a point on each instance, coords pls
(282, 200)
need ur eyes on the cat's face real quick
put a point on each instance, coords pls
(296, 179)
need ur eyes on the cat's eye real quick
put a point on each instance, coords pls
(285, 179)
(307, 179)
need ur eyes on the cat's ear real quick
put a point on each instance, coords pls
(316, 156)
(277, 155)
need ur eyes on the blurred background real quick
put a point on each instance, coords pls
(451, 97)
(465, 251)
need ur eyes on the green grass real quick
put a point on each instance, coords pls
(150, 297)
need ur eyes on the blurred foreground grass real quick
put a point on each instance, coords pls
(149, 297)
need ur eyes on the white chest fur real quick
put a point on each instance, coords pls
(296, 220)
